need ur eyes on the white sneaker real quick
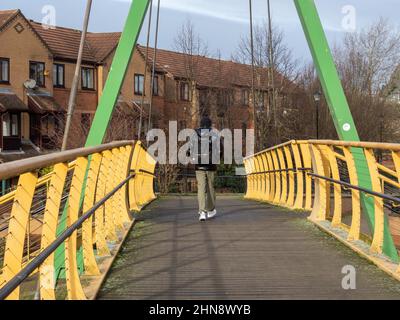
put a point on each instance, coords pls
(203, 216)
(211, 214)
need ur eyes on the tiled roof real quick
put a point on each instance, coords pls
(64, 42)
(10, 102)
(6, 15)
(207, 71)
(42, 102)
(102, 44)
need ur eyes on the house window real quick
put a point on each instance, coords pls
(4, 70)
(224, 98)
(87, 78)
(139, 84)
(58, 75)
(245, 97)
(185, 92)
(10, 125)
(36, 72)
(155, 86)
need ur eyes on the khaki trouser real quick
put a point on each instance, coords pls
(206, 192)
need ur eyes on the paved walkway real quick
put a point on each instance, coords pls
(250, 251)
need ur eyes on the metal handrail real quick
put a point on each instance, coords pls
(279, 170)
(16, 168)
(352, 186)
(11, 285)
(358, 144)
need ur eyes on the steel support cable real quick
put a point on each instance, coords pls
(253, 72)
(272, 70)
(154, 65)
(75, 81)
(11, 285)
(145, 70)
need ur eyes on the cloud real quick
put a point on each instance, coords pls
(228, 10)
(237, 11)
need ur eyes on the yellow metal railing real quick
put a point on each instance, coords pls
(321, 177)
(279, 175)
(32, 213)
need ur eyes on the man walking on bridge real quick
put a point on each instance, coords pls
(205, 149)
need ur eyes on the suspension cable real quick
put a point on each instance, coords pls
(271, 68)
(252, 70)
(154, 65)
(145, 71)
(75, 80)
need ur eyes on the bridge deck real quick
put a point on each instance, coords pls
(250, 251)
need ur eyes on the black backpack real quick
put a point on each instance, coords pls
(204, 137)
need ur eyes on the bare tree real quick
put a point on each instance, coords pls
(367, 60)
(194, 49)
(189, 42)
(279, 68)
(366, 63)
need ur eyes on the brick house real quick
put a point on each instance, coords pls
(185, 86)
(47, 56)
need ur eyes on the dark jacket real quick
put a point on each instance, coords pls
(205, 160)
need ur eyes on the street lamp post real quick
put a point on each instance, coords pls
(317, 99)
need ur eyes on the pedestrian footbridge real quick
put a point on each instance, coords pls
(85, 224)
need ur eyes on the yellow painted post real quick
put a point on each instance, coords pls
(247, 170)
(271, 177)
(100, 232)
(283, 174)
(89, 259)
(396, 160)
(277, 175)
(319, 212)
(337, 189)
(133, 196)
(266, 177)
(305, 152)
(110, 230)
(253, 179)
(298, 203)
(260, 183)
(49, 229)
(354, 233)
(74, 287)
(377, 241)
(140, 179)
(148, 178)
(116, 165)
(289, 161)
(327, 170)
(126, 153)
(19, 219)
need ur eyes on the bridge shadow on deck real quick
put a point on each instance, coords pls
(249, 251)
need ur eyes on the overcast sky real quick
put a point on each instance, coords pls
(220, 23)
